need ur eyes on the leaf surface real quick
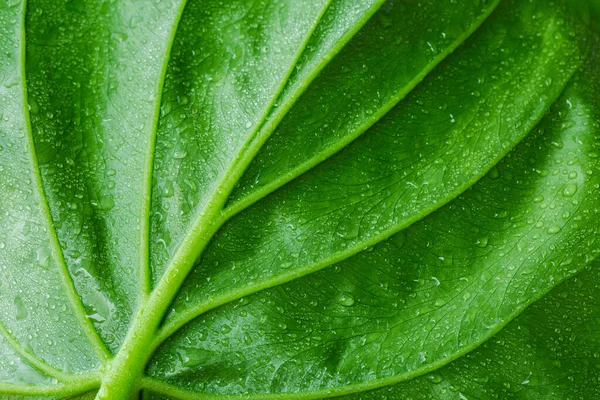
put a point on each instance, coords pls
(395, 311)
(280, 199)
(375, 71)
(41, 315)
(94, 96)
(367, 192)
(538, 355)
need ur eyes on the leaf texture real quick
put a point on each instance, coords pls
(302, 200)
(486, 258)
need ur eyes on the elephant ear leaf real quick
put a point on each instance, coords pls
(46, 338)
(299, 200)
(552, 346)
(424, 296)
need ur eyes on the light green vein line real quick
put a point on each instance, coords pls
(245, 202)
(175, 391)
(207, 223)
(149, 168)
(99, 346)
(274, 119)
(134, 352)
(210, 220)
(50, 390)
(42, 366)
(183, 318)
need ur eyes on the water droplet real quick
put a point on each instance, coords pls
(494, 173)
(34, 108)
(21, 309)
(482, 242)
(168, 189)
(12, 81)
(135, 21)
(570, 190)
(346, 299)
(572, 174)
(435, 378)
(178, 155)
(543, 172)
(225, 329)
(106, 203)
(43, 257)
(348, 229)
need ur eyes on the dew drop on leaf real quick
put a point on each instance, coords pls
(346, 299)
(570, 190)
(43, 257)
(435, 378)
(21, 309)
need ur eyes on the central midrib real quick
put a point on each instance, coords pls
(233, 209)
(138, 346)
(142, 340)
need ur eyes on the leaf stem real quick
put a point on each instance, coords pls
(139, 343)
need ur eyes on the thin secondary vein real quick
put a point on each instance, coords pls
(234, 209)
(244, 202)
(184, 317)
(212, 210)
(134, 352)
(75, 301)
(168, 389)
(39, 364)
(144, 269)
(50, 390)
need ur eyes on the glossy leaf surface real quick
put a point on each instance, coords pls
(486, 257)
(282, 199)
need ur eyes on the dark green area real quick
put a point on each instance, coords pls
(299, 199)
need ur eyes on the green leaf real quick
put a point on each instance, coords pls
(94, 101)
(366, 193)
(283, 199)
(424, 296)
(549, 351)
(350, 95)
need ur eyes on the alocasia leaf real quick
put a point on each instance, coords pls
(324, 120)
(550, 351)
(284, 199)
(435, 290)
